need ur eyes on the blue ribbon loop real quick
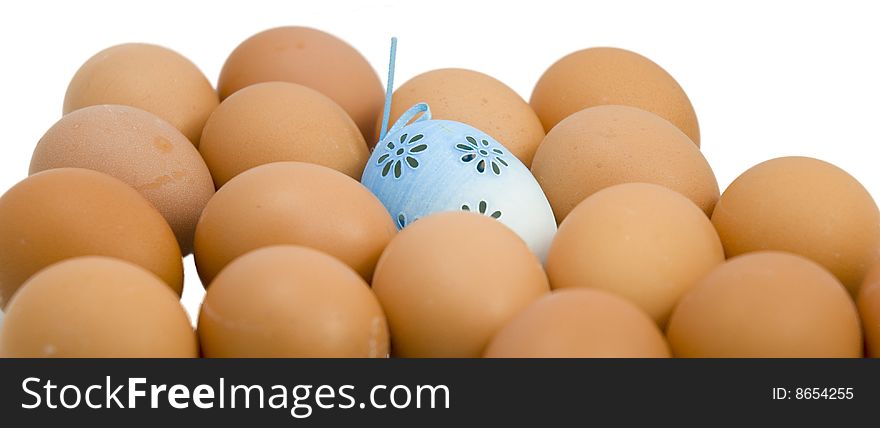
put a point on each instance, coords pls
(407, 117)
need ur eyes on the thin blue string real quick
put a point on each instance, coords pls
(388, 90)
(409, 114)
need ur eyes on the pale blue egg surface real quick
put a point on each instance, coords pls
(429, 166)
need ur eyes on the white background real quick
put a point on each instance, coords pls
(767, 79)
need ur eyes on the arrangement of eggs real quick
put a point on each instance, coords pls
(583, 223)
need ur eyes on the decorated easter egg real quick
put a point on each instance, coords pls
(422, 166)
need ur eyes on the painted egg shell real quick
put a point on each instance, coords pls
(430, 166)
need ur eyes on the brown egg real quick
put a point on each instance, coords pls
(449, 281)
(138, 148)
(475, 99)
(148, 77)
(278, 121)
(579, 323)
(602, 76)
(640, 241)
(68, 212)
(869, 309)
(607, 145)
(97, 307)
(310, 58)
(290, 301)
(766, 304)
(804, 206)
(292, 203)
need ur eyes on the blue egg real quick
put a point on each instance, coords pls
(429, 166)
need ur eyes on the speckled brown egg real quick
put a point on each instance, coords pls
(292, 203)
(279, 121)
(98, 307)
(804, 206)
(475, 99)
(291, 301)
(579, 323)
(310, 58)
(68, 212)
(766, 304)
(148, 77)
(607, 145)
(869, 309)
(640, 241)
(603, 76)
(449, 281)
(138, 148)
